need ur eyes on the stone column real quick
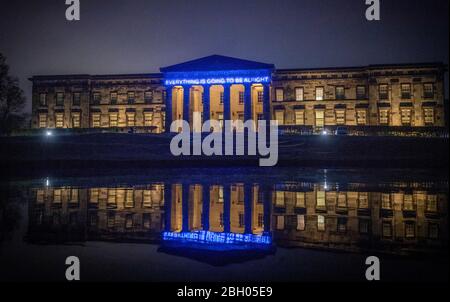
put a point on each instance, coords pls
(266, 102)
(226, 103)
(205, 206)
(206, 103)
(186, 101)
(168, 120)
(185, 207)
(248, 204)
(247, 102)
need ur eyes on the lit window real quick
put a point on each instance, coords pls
(361, 92)
(320, 118)
(76, 99)
(260, 220)
(342, 200)
(130, 119)
(299, 94)
(383, 91)
(59, 99)
(410, 229)
(428, 90)
(300, 222)
(220, 119)
(148, 118)
(279, 94)
(279, 198)
(387, 229)
(220, 195)
(280, 222)
(320, 223)
(386, 201)
(95, 117)
(129, 198)
(406, 91)
(406, 116)
(93, 193)
(57, 196)
(43, 99)
(319, 93)
(147, 198)
(74, 195)
(300, 199)
(75, 119)
(320, 199)
(112, 194)
(428, 116)
(42, 120)
(59, 120)
(299, 117)
(384, 116)
(363, 200)
(279, 116)
(113, 119)
(432, 203)
(340, 116)
(408, 204)
(340, 92)
(361, 117)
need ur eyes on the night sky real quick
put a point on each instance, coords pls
(139, 36)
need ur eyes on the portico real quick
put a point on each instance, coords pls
(217, 88)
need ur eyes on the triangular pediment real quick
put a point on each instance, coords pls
(216, 63)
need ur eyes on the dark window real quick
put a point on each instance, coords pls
(241, 97)
(428, 91)
(60, 99)
(113, 97)
(221, 98)
(383, 91)
(361, 92)
(76, 99)
(43, 99)
(260, 96)
(241, 220)
(131, 97)
(406, 91)
(148, 96)
(96, 98)
(340, 92)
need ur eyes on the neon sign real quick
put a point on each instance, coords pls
(212, 81)
(213, 237)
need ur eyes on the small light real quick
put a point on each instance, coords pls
(324, 132)
(48, 133)
(47, 182)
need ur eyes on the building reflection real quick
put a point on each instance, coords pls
(400, 218)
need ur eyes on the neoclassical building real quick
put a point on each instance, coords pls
(224, 88)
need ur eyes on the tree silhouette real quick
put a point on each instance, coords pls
(12, 100)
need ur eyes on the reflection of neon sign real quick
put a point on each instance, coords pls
(212, 81)
(213, 237)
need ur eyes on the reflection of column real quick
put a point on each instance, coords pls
(266, 102)
(248, 102)
(206, 103)
(248, 200)
(185, 207)
(186, 101)
(168, 121)
(226, 103)
(267, 195)
(167, 207)
(226, 208)
(205, 205)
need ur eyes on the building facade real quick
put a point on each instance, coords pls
(222, 88)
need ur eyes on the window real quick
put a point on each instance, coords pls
(300, 199)
(361, 117)
(75, 119)
(363, 200)
(406, 91)
(300, 222)
(320, 199)
(93, 193)
(279, 116)
(363, 226)
(360, 92)
(340, 92)
(148, 118)
(241, 97)
(96, 98)
(111, 197)
(405, 116)
(220, 193)
(43, 99)
(129, 198)
(279, 198)
(221, 97)
(260, 96)
(260, 220)
(320, 223)
(410, 229)
(387, 229)
(386, 201)
(340, 116)
(147, 198)
(299, 94)
(320, 118)
(57, 196)
(428, 90)
(220, 119)
(432, 204)
(280, 222)
(408, 204)
(319, 93)
(113, 98)
(342, 200)
(383, 91)
(131, 96)
(59, 99)
(43, 120)
(76, 99)
(384, 117)
(113, 119)
(341, 225)
(428, 116)
(130, 119)
(241, 220)
(299, 117)
(59, 120)
(148, 97)
(95, 117)
(279, 94)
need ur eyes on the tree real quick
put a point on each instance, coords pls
(12, 100)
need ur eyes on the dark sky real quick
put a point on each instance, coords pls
(138, 36)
